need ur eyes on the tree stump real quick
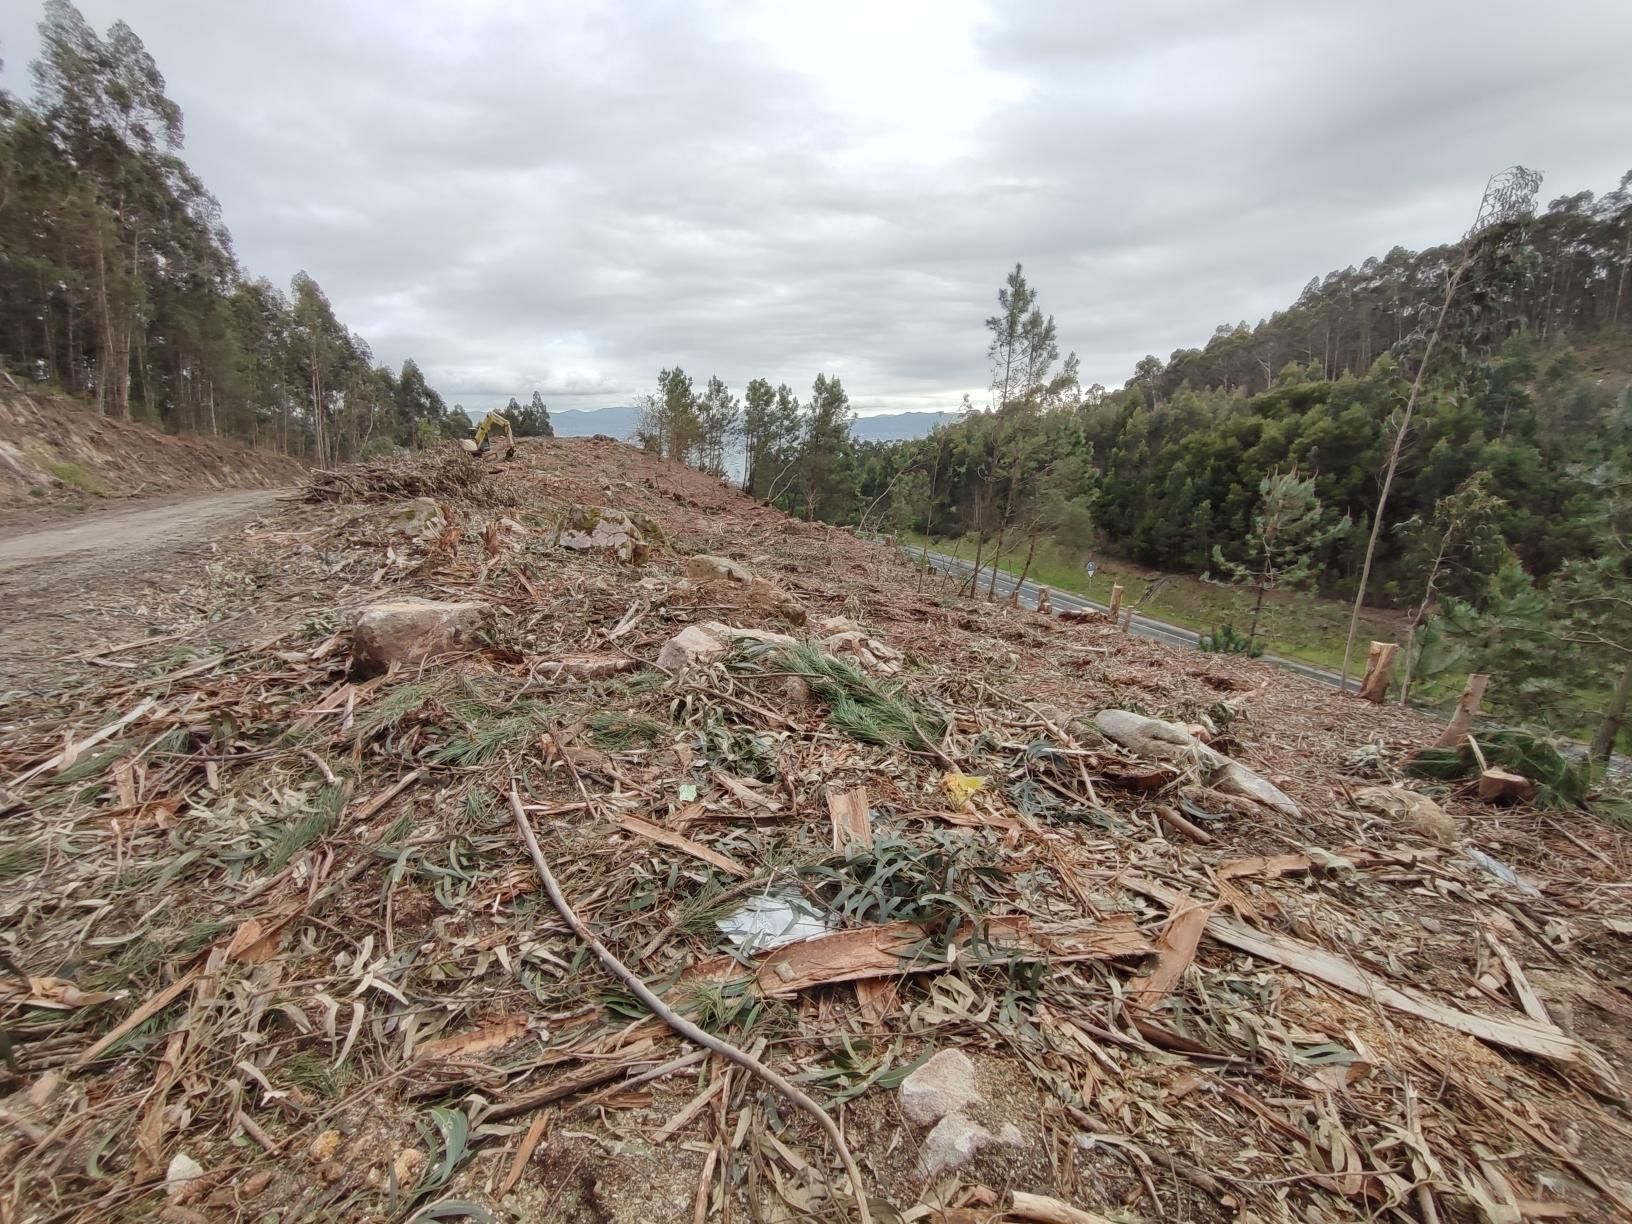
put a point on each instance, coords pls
(1501, 785)
(1116, 602)
(1467, 706)
(1045, 605)
(1379, 662)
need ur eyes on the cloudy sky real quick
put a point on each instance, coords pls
(568, 196)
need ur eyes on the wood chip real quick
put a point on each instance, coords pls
(1175, 949)
(524, 1153)
(489, 1036)
(894, 949)
(853, 826)
(1045, 1210)
(668, 837)
(1517, 1033)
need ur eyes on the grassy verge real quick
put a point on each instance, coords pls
(1295, 624)
(80, 477)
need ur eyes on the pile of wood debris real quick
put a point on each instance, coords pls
(277, 946)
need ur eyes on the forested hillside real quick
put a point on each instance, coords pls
(118, 281)
(1512, 490)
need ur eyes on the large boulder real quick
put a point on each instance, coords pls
(627, 536)
(419, 518)
(406, 632)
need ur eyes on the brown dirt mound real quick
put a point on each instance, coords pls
(58, 455)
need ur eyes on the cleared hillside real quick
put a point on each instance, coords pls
(283, 938)
(57, 454)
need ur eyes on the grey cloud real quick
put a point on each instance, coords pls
(571, 197)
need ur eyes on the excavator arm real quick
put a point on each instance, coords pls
(478, 445)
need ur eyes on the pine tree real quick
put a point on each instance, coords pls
(1289, 531)
(718, 421)
(825, 450)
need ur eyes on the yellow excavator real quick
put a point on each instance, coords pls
(483, 441)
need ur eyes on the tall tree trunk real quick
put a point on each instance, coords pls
(1410, 646)
(104, 373)
(1421, 614)
(50, 336)
(974, 574)
(1394, 460)
(1031, 551)
(1257, 611)
(1603, 740)
(70, 356)
(997, 555)
(1626, 267)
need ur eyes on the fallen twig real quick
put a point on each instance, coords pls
(1047, 1210)
(152, 1007)
(679, 1024)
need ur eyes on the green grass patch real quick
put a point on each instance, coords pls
(1295, 624)
(79, 476)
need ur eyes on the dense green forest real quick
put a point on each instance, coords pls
(1506, 530)
(118, 281)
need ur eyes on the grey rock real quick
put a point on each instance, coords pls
(613, 531)
(943, 1085)
(956, 1140)
(692, 646)
(405, 632)
(420, 518)
(705, 568)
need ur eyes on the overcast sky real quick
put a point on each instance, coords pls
(568, 196)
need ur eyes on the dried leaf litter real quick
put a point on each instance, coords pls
(275, 920)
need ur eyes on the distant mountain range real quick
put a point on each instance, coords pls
(620, 423)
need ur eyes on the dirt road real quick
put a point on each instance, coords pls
(72, 584)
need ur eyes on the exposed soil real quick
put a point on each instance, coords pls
(60, 457)
(108, 576)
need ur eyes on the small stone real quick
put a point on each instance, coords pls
(692, 646)
(409, 631)
(255, 1185)
(407, 1166)
(43, 1090)
(956, 1140)
(942, 1086)
(182, 1171)
(325, 1146)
